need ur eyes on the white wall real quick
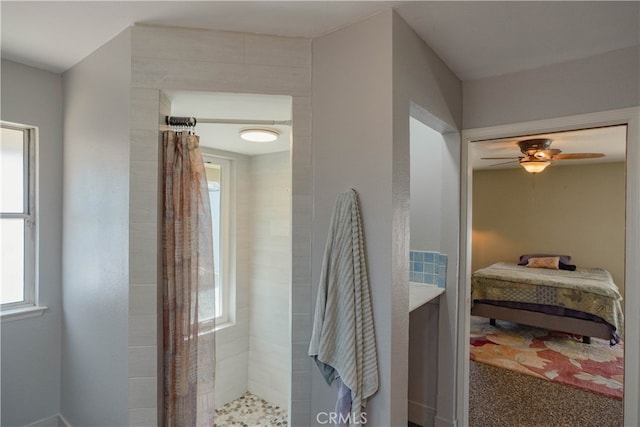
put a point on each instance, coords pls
(426, 187)
(598, 83)
(96, 237)
(352, 148)
(31, 347)
(270, 265)
(365, 145)
(425, 88)
(232, 342)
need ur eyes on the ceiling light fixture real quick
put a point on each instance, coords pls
(259, 134)
(534, 166)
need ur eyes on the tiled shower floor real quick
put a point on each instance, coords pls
(250, 411)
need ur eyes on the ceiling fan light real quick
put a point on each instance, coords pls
(535, 166)
(259, 135)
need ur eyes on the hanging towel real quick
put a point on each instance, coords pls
(343, 340)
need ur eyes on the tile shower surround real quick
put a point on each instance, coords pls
(168, 58)
(428, 267)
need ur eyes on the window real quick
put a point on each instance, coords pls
(17, 222)
(218, 172)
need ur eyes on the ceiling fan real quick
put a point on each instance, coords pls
(538, 155)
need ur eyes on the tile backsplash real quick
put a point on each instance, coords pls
(428, 267)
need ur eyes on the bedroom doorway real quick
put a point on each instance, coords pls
(509, 212)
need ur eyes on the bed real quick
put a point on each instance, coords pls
(585, 302)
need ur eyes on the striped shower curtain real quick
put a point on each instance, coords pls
(188, 281)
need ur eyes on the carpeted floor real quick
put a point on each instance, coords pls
(499, 397)
(502, 398)
(554, 356)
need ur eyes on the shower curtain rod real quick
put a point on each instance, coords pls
(192, 121)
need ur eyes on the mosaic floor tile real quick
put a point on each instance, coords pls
(250, 411)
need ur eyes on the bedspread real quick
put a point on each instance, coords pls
(590, 290)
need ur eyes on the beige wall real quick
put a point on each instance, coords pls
(573, 210)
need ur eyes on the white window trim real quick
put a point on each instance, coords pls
(29, 307)
(227, 278)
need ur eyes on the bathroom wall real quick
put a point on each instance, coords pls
(352, 68)
(426, 187)
(352, 148)
(270, 337)
(96, 273)
(166, 58)
(253, 352)
(597, 83)
(429, 215)
(427, 90)
(31, 347)
(232, 341)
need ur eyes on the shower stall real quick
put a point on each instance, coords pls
(249, 186)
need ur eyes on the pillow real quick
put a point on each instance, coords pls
(565, 259)
(551, 262)
(568, 267)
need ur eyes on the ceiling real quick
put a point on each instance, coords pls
(475, 39)
(611, 141)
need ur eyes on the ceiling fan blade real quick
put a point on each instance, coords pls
(500, 158)
(577, 156)
(504, 163)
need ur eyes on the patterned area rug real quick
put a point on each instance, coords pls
(553, 356)
(250, 410)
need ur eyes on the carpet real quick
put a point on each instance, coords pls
(554, 356)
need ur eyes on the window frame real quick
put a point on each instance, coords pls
(29, 306)
(227, 256)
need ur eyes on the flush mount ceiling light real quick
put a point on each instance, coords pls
(534, 166)
(259, 134)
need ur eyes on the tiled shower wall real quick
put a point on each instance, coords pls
(269, 337)
(232, 341)
(185, 59)
(428, 267)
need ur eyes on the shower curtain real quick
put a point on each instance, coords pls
(188, 285)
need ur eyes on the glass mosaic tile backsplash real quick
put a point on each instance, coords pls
(428, 267)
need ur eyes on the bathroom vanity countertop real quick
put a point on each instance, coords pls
(422, 293)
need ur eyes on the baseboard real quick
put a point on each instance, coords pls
(443, 422)
(52, 421)
(63, 421)
(421, 414)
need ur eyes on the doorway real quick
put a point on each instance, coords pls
(627, 117)
(249, 185)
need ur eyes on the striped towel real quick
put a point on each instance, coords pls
(343, 340)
